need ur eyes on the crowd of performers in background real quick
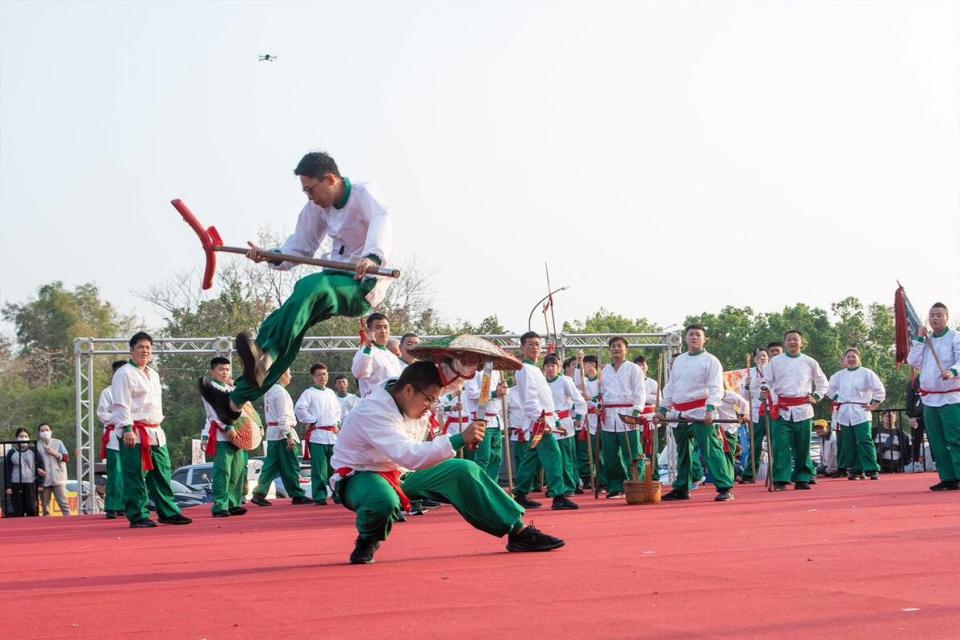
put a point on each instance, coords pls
(568, 422)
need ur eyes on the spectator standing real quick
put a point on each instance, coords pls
(54, 456)
(23, 471)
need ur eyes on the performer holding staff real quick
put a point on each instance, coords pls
(624, 391)
(936, 353)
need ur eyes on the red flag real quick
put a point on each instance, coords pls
(907, 323)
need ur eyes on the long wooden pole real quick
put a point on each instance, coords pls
(505, 407)
(600, 412)
(753, 453)
(586, 418)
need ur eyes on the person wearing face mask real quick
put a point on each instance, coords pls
(23, 471)
(54, 456)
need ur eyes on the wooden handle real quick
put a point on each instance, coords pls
(317, 262)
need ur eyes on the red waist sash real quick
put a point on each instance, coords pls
(689, 406)
(926, 392)
(306, 437)
(211, 449)
(785, 402)
(105, 439)
(146, 460)
(392, 478)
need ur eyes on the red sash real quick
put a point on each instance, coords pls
(104, 439)
(211, 450)
(785, 402)
(392, 478)
(146, 460)
(306, 438)
(454, 420)
(689, 406)
(521, 434)
(925, 392)
(563, 415)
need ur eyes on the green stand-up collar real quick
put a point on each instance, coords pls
(852, 368)
(695, 353)
(942, 333)
(134, 364)
(529, 361)
(341, 395)
(346, 194)
(382, 347)
(318, 387)
(787, 353)
(589, 379)
(553, 378)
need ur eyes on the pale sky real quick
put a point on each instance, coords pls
(666, 158)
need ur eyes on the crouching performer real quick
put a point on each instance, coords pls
(383, 437)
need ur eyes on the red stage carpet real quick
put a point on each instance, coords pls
(846, 560)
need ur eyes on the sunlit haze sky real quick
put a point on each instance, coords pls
(665, 158)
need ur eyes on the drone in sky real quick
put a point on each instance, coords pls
(267, 57)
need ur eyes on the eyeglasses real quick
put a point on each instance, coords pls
(431, 401)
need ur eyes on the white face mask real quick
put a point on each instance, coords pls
(45, 435)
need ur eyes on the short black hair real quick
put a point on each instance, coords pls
(789, 331)
(773, 344)
(592, 360)
(117, 364)
(43, 424)
(316, 164)
(940, 305)
(216, 362)
(569, 361)
(406, 337)
(339, 376)
(21, 430)
(640, 360)
(696, 326)
(421, 375)
(617, 339)
(551, 359)
(373, 317)
(139, 337)
(317, 367)
(527, 336)
(758, 349)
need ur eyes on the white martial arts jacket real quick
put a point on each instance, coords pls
(279, 414)
(624, 391)
(319, 408)
(795, 377)
(693, 378)
(851, 389)
(137, 397)
(105, 416)
(932, 388)
(373, 365)
(569, 403)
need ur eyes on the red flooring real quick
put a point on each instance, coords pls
(847, 560)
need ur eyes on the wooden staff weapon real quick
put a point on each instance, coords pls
(553, 315)
(600, 412)
(753, 457)
(460, 419)
(655, 454)
(505, 409)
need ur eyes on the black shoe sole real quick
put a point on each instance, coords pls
(237, 513)
(221, 514)
(564, 507)
(176, 522)
(250, 356)
(524, 549)
(669, 498)
(143, 525)
(219, 400)
(724, 497)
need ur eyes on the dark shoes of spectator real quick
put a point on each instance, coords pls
(143, 524)
(532, 539)
(255, 361)
(676, 495)
(301, 500)
(237, 511)
(724, 495)
(176, 519)
(614, 494)
(779, 486)
(260, 500)
(563, 503)
(363, 551)
(427, 503)
(801, 486)
(946, 485)
(522, 500)
(221, 514)
(219, 400)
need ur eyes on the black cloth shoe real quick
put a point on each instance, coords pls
(946, 485)
(427, 503)
(219, 400)
(587, 483)
(363, 551)
(221, 514)
(532, 539)
(237, 511)
(143, 524)
(812, 481)
(578, 491)
(724, 496)
(301, 500)
(254, 360)
(853, 476)
(260, 500)
(319, 503)
(747, 481)
(177, 519)
(801, 486)
(779, 486)
(614, 494)
(522, 500)
(676, 495)
(873, 475)
(563, 503)
(111, 515)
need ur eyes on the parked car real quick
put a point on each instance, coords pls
(199, 477)
(184, 496)
(73, 497)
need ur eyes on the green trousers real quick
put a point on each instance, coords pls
(138, 484)
(730, 451)
(584, 463)
(458, 482)
(568, 458)
(114, 500)
(314, 298)
(319, 470)
(707, 438)
(489, 454)
(281, 462)
(756, 449)
(229, 477)
(943, 432)
(547, 454)
(859, 452)
(617, 449)
(791, 449)
(841, 452)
